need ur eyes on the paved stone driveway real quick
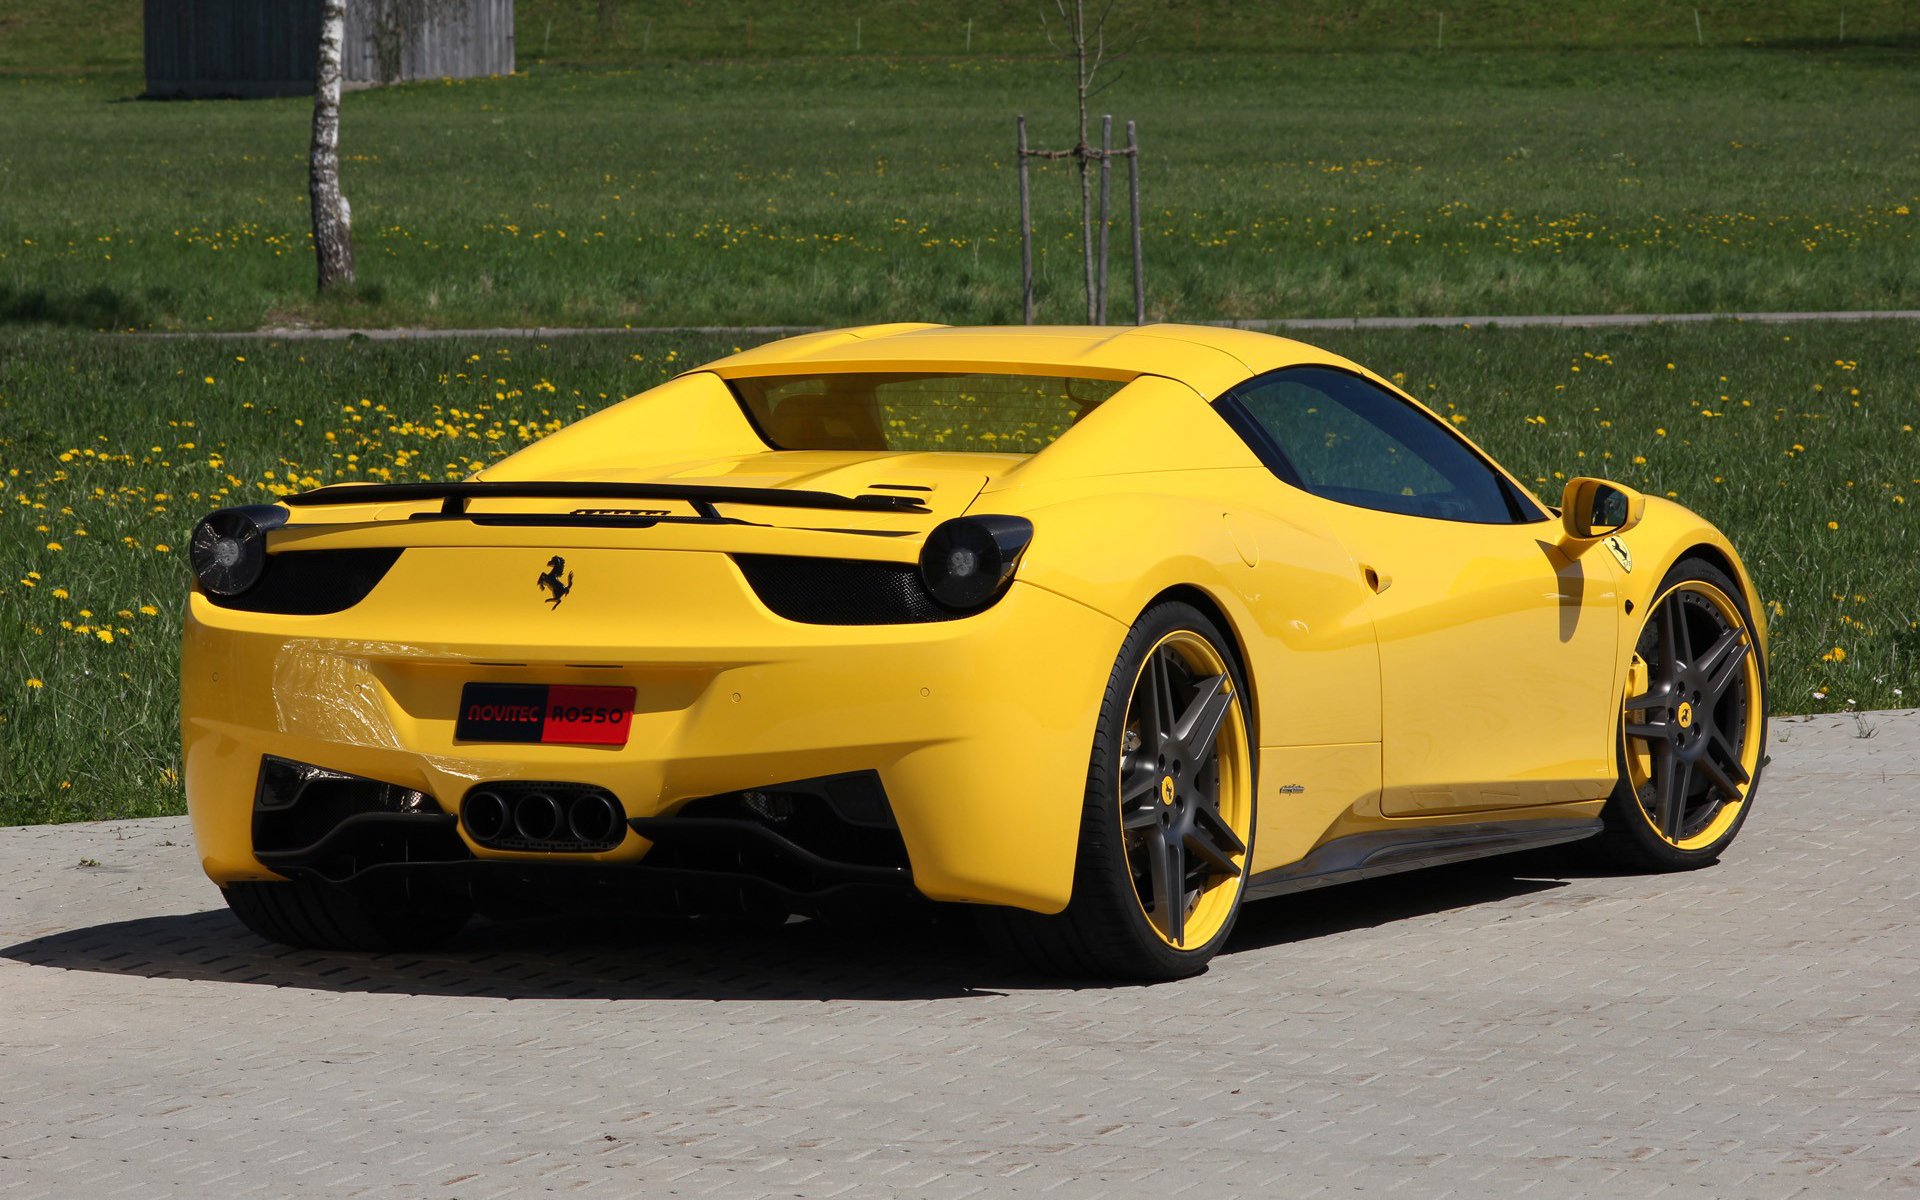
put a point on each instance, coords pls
(1749, 1030)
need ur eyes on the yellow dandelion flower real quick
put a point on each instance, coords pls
(35, 683)
(1833, 524)
(55, 546)
(149, 610)
(105, 635)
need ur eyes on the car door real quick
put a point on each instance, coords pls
(1497, 645)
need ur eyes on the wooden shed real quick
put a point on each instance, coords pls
(267, 47)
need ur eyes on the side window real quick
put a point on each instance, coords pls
(1344, 438)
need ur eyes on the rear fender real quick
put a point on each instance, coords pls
(1292, 596)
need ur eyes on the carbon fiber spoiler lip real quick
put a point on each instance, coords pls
(453, 497)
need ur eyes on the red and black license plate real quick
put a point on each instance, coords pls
(556, 714)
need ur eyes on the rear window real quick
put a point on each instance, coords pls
(1006, 414)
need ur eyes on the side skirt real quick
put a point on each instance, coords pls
(1387, 852)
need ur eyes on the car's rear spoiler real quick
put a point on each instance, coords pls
(453, 499)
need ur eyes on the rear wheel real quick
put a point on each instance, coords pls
(317, 916)
(1167, 821)
(1693, 727)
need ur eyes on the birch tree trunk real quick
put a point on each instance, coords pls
(332, 220)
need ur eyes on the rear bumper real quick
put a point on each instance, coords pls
(978, 729)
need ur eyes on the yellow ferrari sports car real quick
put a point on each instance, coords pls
(1103, 634)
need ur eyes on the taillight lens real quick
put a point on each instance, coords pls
(229, 547)
(967, 562)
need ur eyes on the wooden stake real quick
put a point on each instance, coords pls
(1026, 226)
(1133, 185)
(1106, 154)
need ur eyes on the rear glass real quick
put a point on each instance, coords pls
(1005, 414)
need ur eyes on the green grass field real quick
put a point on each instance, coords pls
(823, 190)
(1801, 442)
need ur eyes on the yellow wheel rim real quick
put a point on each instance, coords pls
(1186, 790)
(1690, 725)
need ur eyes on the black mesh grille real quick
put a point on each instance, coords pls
(841, 591)
(329, 823)
(841, 819)
(312, 582)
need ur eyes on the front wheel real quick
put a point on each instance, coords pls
(1693, 729)
(1167, 820)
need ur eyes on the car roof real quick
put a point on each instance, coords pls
(1210, 359)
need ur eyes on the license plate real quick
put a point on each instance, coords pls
(553, 714)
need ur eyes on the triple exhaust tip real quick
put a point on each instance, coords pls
(588, 820)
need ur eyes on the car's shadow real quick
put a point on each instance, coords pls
(803, 960)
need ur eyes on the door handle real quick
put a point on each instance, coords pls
(1377, 580)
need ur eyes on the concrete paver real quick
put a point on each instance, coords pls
(1505, 1028)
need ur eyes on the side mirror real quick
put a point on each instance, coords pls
(1591, 509)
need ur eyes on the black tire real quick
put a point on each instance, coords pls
(1628, 839)
(1104, 932)
(316, 916)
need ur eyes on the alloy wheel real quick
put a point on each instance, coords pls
(1185, 790)
(1691, 733)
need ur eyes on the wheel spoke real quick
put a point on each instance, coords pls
(1159, 702)
(1718, 741)
(1199, 727)
(1658, 699)
(1660, 732)
(1719, 681)
(1143, 785)
(1718, 777)
(1677, 773)
(1166, 864)
(1139, 818)
(1215, 844)
(1669, 645)
(1663, 763)
(1722, 646)
(1139, 791)
(1676, 616)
